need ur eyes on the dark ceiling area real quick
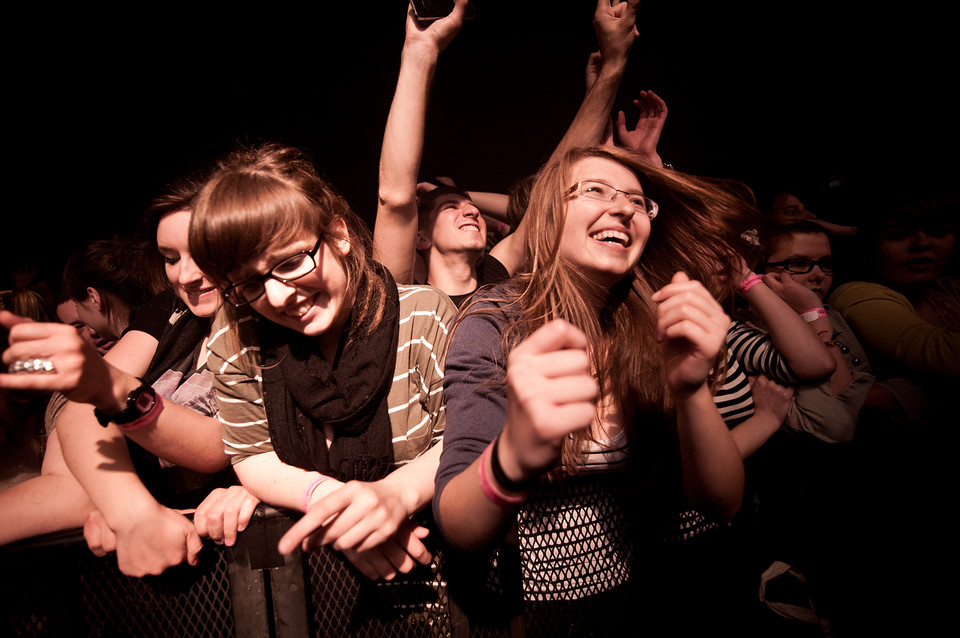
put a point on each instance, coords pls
(104, 109)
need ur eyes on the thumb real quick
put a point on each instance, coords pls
(679, 277)
(194, 545)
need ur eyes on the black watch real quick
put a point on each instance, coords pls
(139, 402)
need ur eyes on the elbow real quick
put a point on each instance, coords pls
(394, 199)
(816, 369)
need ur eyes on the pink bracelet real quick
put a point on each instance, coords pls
(813, 314)
(145, 419)
(310, 489)
(489, 489)
(749, 283)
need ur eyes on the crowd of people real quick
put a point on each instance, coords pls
(632, 391)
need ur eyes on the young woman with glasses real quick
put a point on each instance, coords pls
(577, 389)
(329, 374)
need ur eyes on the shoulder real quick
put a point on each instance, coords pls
(856, 292)
(157, 314)
(232, 342)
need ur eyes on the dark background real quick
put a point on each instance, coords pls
(105, 108)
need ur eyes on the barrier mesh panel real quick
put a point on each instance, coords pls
(61, 589)
(343, 602)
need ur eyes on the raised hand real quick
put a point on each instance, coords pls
(435, 33)
(645, 136)
(691, 326)
(615, 25)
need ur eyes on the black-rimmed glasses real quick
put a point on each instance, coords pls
(290, 269)
(603, 192)
(802, 266)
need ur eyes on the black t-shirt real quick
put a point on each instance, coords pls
(489, 271)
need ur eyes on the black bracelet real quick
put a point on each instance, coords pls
(501, 478)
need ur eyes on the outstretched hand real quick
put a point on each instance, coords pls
(551, 393)
(645, 136)
(80, 372)
(692, 327)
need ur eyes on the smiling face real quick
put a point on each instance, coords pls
(812, 246)
(458, 225)
(200, 295)
(317, 304)
(910, 256)
(604, 239)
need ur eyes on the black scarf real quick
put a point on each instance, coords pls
(302, 391)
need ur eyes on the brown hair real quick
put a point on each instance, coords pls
(696, 231)
(271, 194)
(125, 271)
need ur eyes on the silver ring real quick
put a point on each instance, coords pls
(42, 366)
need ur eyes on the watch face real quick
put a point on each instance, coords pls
(145, 401)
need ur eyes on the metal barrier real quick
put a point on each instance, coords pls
(54, 586)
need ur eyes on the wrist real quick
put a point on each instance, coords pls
(812, 314)
(748, 283)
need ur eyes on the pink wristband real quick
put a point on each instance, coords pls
(813, 314)
(310, 489)
(145, 419)
(749, 283)
(489, 489)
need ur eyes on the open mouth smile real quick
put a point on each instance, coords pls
(612, 237)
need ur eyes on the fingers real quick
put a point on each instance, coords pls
(555, 335)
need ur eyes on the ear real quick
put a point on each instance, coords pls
(94, 296)
(423, 242)
(342, 243)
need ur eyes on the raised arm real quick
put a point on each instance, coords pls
(778, 301)
(395, 228)
(615, 25)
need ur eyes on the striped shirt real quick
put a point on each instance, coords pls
(415, 401)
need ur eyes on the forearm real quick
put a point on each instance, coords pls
(796, 340)
(470, 520)
(99, 460)
(41, 505)
(273, 481)
(750, 435)
(590, 122)
(713, 475)
(184, 437)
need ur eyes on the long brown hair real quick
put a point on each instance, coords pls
(271, 194)
(696, 231)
